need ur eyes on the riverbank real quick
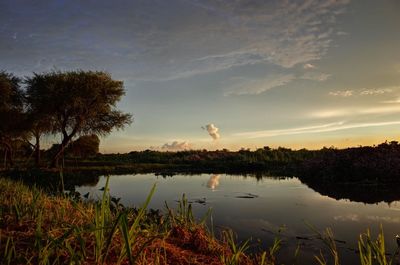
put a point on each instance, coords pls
(36, 228)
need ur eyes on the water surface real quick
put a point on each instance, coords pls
(263, 209)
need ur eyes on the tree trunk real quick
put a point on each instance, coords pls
(5, 158)
(56, 158)
(8, 155)
(37, 151)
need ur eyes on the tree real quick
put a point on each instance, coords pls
(11, 113)
(85, 146)
(38, 120)
(77, 103)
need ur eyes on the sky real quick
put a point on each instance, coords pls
(224, 74)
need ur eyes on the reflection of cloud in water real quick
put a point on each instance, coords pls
(347, 217)
(213, 182)
(387, 219)
(374, 218)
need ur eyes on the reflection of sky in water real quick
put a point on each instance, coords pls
(283, 207)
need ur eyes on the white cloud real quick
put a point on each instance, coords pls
(364, 91)
(290, 131)
(341, 93)
(244, 86)
(308, 66)
(315, 76)
(330, 127)
(213, 131)
(377, 91)
(355, 111)
(176, 146)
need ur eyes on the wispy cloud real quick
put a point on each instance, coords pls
(330, 127)
(315, 76)
(377, 91)
(157, 40)
(308, 66)
(341, 93)
(237, 33)
(342, 33)
(244, 86)
(364, 91)
(355, 111)
(392, 101)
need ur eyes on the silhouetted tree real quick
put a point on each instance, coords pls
(11, 113)
(39, 120)
(76, 103)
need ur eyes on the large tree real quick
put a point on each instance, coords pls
(11, 113)
(77, 103)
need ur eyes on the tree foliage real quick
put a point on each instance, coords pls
(85, 146)
(77, 103)
(12, 124)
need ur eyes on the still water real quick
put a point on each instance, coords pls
(264, 209)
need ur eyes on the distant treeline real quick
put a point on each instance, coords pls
(368, 164)
(366, 174)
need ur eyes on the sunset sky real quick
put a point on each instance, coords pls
(277, 73)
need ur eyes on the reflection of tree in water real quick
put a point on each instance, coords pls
(357, 192)
(213, 182)
(52, 181)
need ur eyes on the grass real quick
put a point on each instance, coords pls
(37, 228)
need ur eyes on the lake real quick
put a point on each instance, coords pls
(264, 208)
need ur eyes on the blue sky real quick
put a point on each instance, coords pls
(277, 73)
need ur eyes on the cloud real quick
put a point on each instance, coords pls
(315, 76)
(364, 91)
(244, 86)
(392, 101)
(378, 91)
(342, 93)
(157, 40)
(212, 131)
(176, 146)
(342, 33)
(356, 111)
(308, 66)
(330, 127)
